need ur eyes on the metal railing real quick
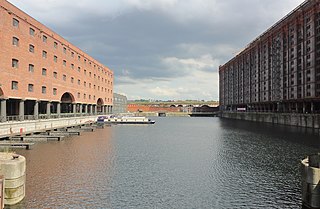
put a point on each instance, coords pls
(13, 118)
(29, 117)
(51, 116)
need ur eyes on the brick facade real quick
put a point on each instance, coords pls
(280, 70)
(58, 66)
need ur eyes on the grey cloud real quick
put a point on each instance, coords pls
(138, 37)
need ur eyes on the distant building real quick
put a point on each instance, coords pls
(119, 103)
(280, 70)
(43, 76)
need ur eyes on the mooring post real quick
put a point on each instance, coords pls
(310, 171)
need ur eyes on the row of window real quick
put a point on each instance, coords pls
(15, 64)
(15, 42)
(15, 86)
(15, 23)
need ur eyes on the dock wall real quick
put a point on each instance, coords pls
(291, 119)
(14, 128)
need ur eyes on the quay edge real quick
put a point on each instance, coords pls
(9, 129)
(291, 119)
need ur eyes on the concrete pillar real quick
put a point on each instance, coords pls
(86, 109)
(96, 109)
(59, 109)
(105, 109)
(21, 110)
(36, 110)
(3, 113)
(74, 109)
(304, 107)
(80, 108)
(48, 109)
(91, 109)
(111, 109)
(312, 107)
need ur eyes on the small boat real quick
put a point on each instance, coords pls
(129, 120)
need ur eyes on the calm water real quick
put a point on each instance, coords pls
(176, 163)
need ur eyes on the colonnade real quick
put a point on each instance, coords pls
(20, 110)
(279, 107)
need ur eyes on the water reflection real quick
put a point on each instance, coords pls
(176, 163)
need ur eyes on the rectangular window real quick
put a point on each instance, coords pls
(15, 22)
(72, 66)
(84, 96)
(64, 50)
(15, 41)
(15, 63)
(64, 62)
(55, 75)
(44, 39)
(54, 91)
(55, 58)
(85, 84)
(72, 54)
(31, 68)
(64, 77)
(14, 85)
(78, 94)
(31, 48)
(79, 69)
(85, 72)
(90, 85)
(44, 71)
(44, 89)
(78, 82)
(72, 79)
(31, 32)
(79, 58)
(30, 87)
(55, 44)
(44, 54)
(89, 96)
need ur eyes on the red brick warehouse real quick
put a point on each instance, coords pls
(43, 75)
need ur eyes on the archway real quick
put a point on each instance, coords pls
(66, 102)
(1, 93)
(100, 105)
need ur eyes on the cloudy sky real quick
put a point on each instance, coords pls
(160, 49)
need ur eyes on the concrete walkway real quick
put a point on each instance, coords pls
(12, 128)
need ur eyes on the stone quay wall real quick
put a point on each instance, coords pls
(291, 119)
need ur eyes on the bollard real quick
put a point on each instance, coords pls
(310, 171)
(13, 168)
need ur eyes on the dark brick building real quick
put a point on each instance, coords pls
(280, 70)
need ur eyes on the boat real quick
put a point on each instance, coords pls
(128, 120)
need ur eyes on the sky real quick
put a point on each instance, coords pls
(160, 49)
